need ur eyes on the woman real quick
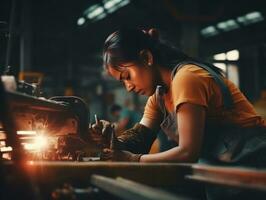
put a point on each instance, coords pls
(206, 114)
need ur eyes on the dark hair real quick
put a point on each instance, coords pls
(125, 44)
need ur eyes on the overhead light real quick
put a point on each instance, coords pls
(91, 9)
(96, 12)
(232, 55)
(220, 56)
(110, 3)
(101, 16)
(100, 11)
(250, 18)
(124, 3)
(113, 5)
(231, 24)
(228, 25)
(254, 17)
(209, 31)
(221, 66)
(81, 21)
(241, 20)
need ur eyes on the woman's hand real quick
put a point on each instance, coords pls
(118, 155)
(100, 133)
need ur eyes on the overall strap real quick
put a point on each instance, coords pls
(160, 90)
(228, 101)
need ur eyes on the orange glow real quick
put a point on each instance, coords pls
(6, 149)
(39, 143)
(29, 146)
(30, 162)
(26, 132)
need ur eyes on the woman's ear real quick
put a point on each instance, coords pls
(146, 57)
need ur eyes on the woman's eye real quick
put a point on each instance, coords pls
(125, 75)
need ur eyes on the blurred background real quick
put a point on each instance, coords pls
(59, 43)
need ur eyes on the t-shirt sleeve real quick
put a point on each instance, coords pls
(152, 111)
(188, 87)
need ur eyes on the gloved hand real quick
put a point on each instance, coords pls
(114, 152)
(100, 133)
(118, 155)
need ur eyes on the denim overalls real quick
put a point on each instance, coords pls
(222, 145)
(229, 145)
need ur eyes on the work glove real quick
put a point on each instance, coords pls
(119, 155)
(113, 153)
(100, 133)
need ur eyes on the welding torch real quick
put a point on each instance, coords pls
(111, 136)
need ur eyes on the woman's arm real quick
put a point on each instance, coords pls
(151, 124)
(122, 124)
(191, 121)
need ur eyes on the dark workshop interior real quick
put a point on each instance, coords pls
(70, 130)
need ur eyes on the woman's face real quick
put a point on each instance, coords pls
(136, 77)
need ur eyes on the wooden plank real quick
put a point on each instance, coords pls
(129, 190)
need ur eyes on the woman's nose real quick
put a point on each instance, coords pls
(129, 86)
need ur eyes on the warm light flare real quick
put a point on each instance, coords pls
(30, 162)
(26, 132)
(6, 149)
(39, 143)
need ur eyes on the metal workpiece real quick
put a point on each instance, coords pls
(154, 174)
(30, 102)
(244, 178)
(130, 190)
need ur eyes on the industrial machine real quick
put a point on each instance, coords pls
(40, 123)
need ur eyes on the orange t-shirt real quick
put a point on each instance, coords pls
(192, 84)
